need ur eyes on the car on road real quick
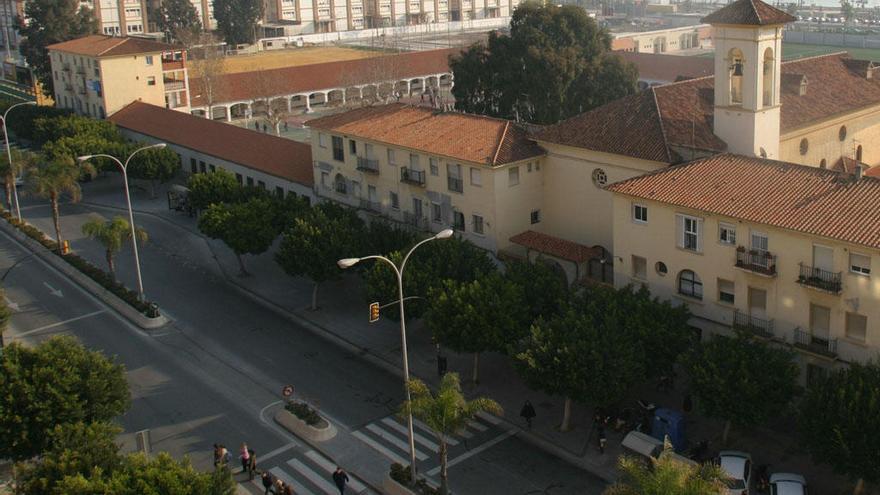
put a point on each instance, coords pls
(787, 484)
(738, 467)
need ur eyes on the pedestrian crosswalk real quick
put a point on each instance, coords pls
(390, 437)
(309, 473)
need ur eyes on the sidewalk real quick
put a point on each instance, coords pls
(342, 317)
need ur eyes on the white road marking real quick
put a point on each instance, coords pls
(420, 439)
(488, 418)
(477, 426)
(315, 478)
(427, 429)
(298, 487)
(329, 467)
(379, 448)
(58, 324)
(473, 452)
(12, 305)
(279, 450)
(400, 444)
(52, 290)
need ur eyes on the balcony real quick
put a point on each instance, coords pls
(818, 278)
(411, 176)
(753, 325)
(340, 187)
(415, 221)
(373, 206)
(368, 165)
(66, 68)
(168, 65)
(819, 345)
(455, 184)
(173, 85)
(760, 262)
(80, 70)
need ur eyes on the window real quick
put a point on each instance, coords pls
(148, 58)
(513, 176)
(211, 167)
(823, 163)
(639, 267)
(395, 201)
(250, 181)
(391, 158)
(239, 179)
(537, 166)
(859, 263)
(760, 243)
(726, 233)
(804, 146)
(689, 233)
(414, 161)
(600, 178)
(324, 178)
(192, 166)
(859, 153)
(458, 221)
(338, 152)
(726, 291)
(689, 284)
(352, 147)
(856, 326)
(478, 224)
(640, 213)
(436, 213)
(279, 191)
(435, 166)
(660, 267)
(322, 140)
(841, 134)
(151, 80)
(529, 167)
(202, 167)
(535, 216)
(356, 189)
(368, 151)
(340, 184)
(476, 177)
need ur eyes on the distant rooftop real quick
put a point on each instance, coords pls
(99, 45)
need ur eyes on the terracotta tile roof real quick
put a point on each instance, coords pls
(796, 197)
(246, 86)
(554, 246)
(873, 171)
(276, 156)
(99, 45)
(749, 12)
(683, 116)
(660, 67)
(462, 136)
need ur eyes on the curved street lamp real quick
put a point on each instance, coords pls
(9, 155)
(124, 167)
(348, 263)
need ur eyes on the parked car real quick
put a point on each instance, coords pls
(787, 484)
(738, 467)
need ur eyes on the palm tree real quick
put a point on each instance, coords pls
(446, 413)
(667, 475)
(112, 234)
(53, 179)
(22, 161)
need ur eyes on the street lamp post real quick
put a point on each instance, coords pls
(349, 262)
(124, 168)
(9, 156)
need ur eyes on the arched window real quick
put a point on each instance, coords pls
(735, 57)
(859, 153)
(823, 163)
(804, 146)
(689, 284)
(339, 184)
(768, 81)
(841, 134)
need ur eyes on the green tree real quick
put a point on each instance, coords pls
(51, 180)
(177, 19)
(316, 241)
(245, 227)
(847, 9)
(5, 314)
(56, 383)
(21, 121)
(667, 476)
(155, 165)
(556, 63)
(213, 187)
(112, 234)
(49, 22)
(386, 237)
(584, 354)
(446, 413)
(478, 316)
(21, 162)
(237, 20)
(545, 288)
(53, 128)
(741, 380)
(840, 421)
(428, 268)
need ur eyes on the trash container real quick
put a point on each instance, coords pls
(153, 310)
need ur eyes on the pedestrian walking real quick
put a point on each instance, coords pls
(602, 440)
(528, 412)
(245, 457)
(225, 458)
(267, 480)
(252, 464)
(340, 478)
(218, 456)
(288, 489)
(265, 128)
(285, 126)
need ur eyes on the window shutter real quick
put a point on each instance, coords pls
(679, 231)
(700, 235)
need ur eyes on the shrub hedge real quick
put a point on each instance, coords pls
(302, 411)
(402, 475)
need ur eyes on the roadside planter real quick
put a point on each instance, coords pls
(396, 479)
(303, 421)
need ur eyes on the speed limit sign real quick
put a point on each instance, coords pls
(287, 391)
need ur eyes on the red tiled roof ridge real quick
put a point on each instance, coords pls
(662, 129)
(500, 142)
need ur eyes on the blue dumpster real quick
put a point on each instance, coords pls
(669, 423)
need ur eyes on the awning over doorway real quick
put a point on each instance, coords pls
(557, 247)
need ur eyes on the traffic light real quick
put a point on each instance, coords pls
(374, 312)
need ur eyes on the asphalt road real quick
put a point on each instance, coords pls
(214, 374)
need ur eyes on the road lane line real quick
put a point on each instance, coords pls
(400, 444)
(315, 478)
(488, 418)
(473, 452)
(329, 467)
(299, 488)
(477, 426)
(427, 429)
(53, 325)
(418, 438)
(379, 448)
(279, 450)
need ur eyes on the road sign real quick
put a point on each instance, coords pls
(287, 391)
(374, 312)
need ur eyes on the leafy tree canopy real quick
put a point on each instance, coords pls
(49, 22)
(177, 19)
(556, 63)
(247, 228)
(156, 165)
(667, 476)
(237, 19)
(546, 289)
(56, 383)
(215, 187)
(23, 119)
(53, 128)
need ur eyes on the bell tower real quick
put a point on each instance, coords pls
(748, 49)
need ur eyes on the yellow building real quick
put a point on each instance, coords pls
(97, 75)
(786, 252)
(431, 170)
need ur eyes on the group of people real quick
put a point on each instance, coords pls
(266, 128)
(247, 456)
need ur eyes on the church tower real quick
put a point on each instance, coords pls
(748, 50)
